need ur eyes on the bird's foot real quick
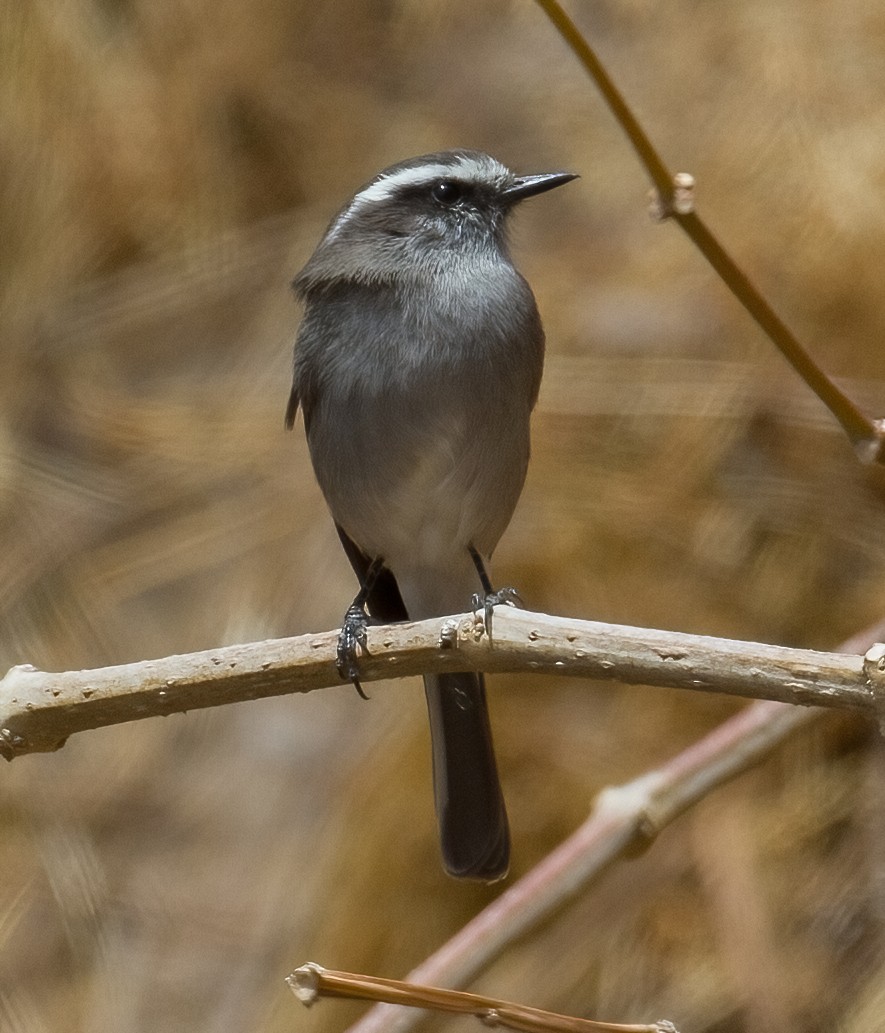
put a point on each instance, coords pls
(488, 601)
(352, 640)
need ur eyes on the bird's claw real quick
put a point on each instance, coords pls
(352, 641)
(488, 601)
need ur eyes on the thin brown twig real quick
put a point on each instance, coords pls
(866, 435)
(309, 982)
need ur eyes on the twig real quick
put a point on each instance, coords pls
(312, 981)
(675, 199)
(39, 710)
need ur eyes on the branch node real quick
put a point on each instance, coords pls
(680, 201)
(11, 744)
(479, 626)
(304, 982)
(874, 672)
(869, 450)
(634, 803)
(448, 634)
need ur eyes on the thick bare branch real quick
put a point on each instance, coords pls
(39, 710)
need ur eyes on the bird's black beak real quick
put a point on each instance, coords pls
(527, 186)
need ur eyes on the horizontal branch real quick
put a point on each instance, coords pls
(39, 709)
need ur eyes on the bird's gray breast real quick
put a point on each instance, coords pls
(417, 405)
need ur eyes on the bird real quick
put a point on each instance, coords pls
(417, 364)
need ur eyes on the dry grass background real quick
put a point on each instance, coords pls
(165, 168)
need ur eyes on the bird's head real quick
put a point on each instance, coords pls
(420, 215)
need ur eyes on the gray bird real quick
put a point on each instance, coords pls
(417, 365)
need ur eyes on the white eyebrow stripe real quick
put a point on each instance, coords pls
(385, 186)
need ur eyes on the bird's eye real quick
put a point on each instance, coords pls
(447, 192)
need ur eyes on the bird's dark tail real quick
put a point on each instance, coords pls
(469, 804)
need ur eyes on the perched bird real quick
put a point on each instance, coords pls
(417, 365)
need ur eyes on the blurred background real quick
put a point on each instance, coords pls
(166, 166)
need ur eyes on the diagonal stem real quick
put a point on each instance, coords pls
(866, 435)
(863, 433)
